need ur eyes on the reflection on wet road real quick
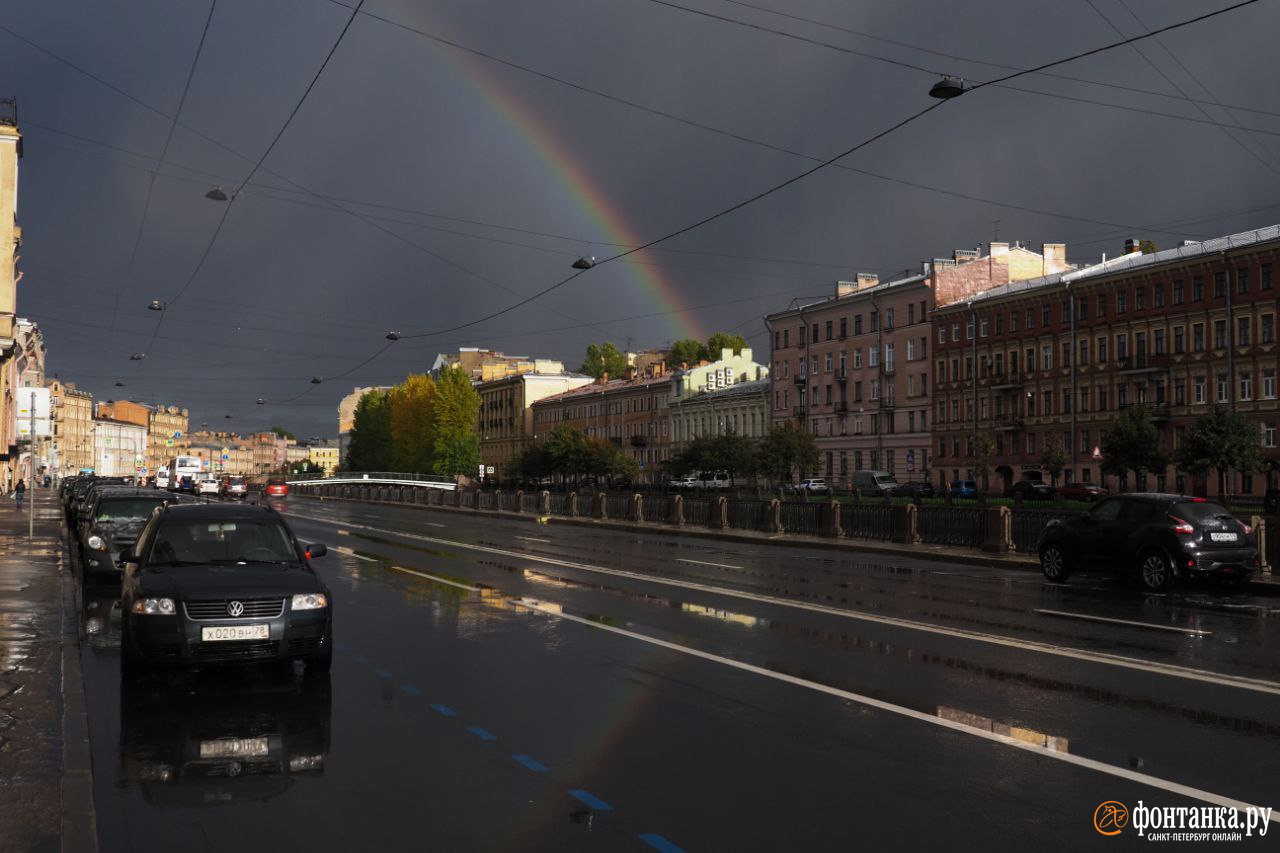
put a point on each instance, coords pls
(500, 689)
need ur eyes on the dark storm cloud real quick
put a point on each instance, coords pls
(294, 288)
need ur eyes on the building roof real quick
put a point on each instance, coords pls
(608, 387)
(1124, 263)
(870, 290)
(739, 389)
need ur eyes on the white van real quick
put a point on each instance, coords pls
(162, 479)
(714, 480)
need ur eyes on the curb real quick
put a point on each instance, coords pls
(79, 816)
(920, 552)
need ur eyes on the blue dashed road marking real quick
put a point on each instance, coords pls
(342, 647)
(359, 658)
(410, 689)
(530, 763)
(444, 709)
(382, 673)
(657, 842)
(590, 800)
(483, 734)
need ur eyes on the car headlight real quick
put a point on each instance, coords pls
(154, 607)
(309, 601)
(95, 542)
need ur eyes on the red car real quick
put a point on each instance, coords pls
(277, 488)
(1082, 492)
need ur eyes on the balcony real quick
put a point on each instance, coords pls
(800, 378)
(1159, 412)
(1002, 381)
(842, 407)
(1141, 363)
(1009, 423)
(887, 403)
(842, 374)
(639, 441)
(800, 412)
(888, 368)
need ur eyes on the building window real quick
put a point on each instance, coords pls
(1269, 434)
(826, 364)
(1223, 384)
(1179, 340)
(1122, 301)
(942, 334)
(874, 319)
(982, 328)
(1157, 293)
(1031, 442)
(874, 389)
(815, 333)
(1013, 321)
(1159, 341)
(1197, 337)
(803, 336)
(786, 338)
(1242, 332)
(827, 328)
(1044, 316)
(873, 356)
(1082, 308)
(1266, 276)
(844, 327)
(1046, 357)
(1246, 386)
(1122, 346)
(1219, 334)
(857, 357)
(999, 324)
(1102, 305)
(1065, 314)
(1030, 320)
(1177, 293)
(1179, 394)
(1102, 350)
(911, 349)
(1198, 385)
(1140, 298)
(955, 332)
(1267, 328)
(1219, 284)
(857, 392)
(888, 318)
(1269, 383)
(857, 324)
(1242, 281)
(1083, 357)
(1066, 353)
(1197, 289)
(1102, 398)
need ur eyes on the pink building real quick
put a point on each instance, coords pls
(854, 369)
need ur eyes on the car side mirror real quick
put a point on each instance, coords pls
(316, 550)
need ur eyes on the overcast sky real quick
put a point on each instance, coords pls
(420, 186)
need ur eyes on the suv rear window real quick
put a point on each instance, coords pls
(1199, 511)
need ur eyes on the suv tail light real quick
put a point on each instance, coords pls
(1180, 526)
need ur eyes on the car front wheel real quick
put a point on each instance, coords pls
(1053, 562)
(1156, 572)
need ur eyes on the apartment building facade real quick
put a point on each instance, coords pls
(166, 428)
(1054, 359)
(855, 369)
(71, 412)
(740, 408)
(505, 422)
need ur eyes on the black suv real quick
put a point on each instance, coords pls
(223, 583)
(1160, 537)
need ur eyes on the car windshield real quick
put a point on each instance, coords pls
(131, 509)
(221, 542)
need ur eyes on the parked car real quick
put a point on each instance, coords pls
(1158, 537)
(1030, 490)
(111, 527)
(223, 583)
(233, 487)
(915, 488)
(689, 481)
(963, 489)
(162, 479)
(1082, 492)
(714, 480)
(207, 484)
(277, 487)
(813, 486)
(875, 484)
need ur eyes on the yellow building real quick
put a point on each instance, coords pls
(10, 241)
(325, 457)
(71, 411)
(166, 435)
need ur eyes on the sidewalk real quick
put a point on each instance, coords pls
(1268, 584)
(46, 794)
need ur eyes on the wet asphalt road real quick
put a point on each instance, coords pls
(501, 685)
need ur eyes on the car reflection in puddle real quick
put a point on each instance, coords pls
(222, 736)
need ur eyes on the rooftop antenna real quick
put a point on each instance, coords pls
(995, 228)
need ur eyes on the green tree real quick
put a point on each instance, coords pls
(606, 459)
(370, 448)
(694, 457)
(412, 405)
(734, 454)
(722, 341)
(1220, 441)
(604, 358)
(283, 433)
(786, 450)
(1054, 458)
(1148, 247)
(454, 416)
(980, 460)
(685, 351)
(567, 452)
(1132, 444)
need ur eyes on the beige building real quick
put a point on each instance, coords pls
(211, 446)
(325, 456)
(483, 365)
(71, 411)
(167, 428)
(506, 425)
(741, 408)
(10, 241)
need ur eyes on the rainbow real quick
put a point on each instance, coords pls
(575, 182)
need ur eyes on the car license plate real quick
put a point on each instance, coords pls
(234, 747)
(1223, 537)
(217, 633)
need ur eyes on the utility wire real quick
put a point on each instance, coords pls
(226, 211)
(151, 183)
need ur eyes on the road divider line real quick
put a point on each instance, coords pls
(1167, 785)
(1171, 670)
(1088, 617)
(705, 563)
(483, 734)
(342, 549)
(534, 539)
(535, 766)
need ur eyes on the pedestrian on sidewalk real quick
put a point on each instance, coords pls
(19, 492)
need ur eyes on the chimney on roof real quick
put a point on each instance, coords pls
(602, 378)
(1133, 246)
(998, 249)
(867, 279)
(630, 374)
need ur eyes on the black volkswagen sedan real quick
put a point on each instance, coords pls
(1159, 537)
(223, 583)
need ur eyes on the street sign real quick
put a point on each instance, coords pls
(177, 434)
(489, 470)
(911, 457)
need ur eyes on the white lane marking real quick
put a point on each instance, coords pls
(350, 553)
(432, 524)
(879, 704)
(704, 563)
(1172, 670)
(534, 539)
(1150, 625)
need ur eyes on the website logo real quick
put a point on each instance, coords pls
(1110, 817)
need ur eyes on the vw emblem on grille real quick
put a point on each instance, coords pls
(235, 608)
